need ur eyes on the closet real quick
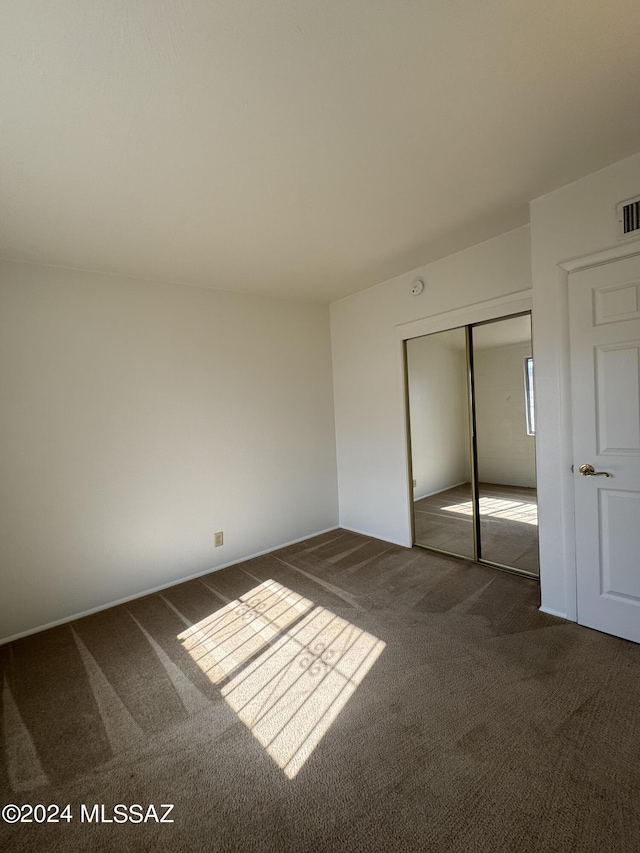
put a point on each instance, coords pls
(471, 431)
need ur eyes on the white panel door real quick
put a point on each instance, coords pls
(604, 307)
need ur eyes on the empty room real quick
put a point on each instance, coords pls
(319, 426)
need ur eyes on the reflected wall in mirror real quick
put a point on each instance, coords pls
(439, 432)
(505, 443)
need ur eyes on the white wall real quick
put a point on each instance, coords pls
(438, 404)
(506, 454)
(137, 418)
(368, 378)
(572, 222)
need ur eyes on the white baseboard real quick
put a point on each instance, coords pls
(373, 536)
(438, 491)
(557, 613)
(155, 589)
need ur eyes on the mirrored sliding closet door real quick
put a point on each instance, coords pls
(471, 431)
(440, 450)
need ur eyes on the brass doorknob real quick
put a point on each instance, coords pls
(590, 471)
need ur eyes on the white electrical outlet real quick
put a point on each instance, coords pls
(218, 539)
(415, 483)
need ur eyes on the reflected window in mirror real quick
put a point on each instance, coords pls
(529, 396)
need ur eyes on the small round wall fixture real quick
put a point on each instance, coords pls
(417, 287)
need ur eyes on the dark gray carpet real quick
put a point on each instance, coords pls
(370, 698)
(508, 524)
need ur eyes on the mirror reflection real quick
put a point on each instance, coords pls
(439, 426)
(504, 531)
(505, 442)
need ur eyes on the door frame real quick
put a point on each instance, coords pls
(593, 259)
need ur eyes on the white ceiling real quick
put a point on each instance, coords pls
(502, 333)
(304, 149)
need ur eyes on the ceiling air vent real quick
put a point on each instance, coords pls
(628, 213)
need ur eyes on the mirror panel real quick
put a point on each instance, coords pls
(505, 443)
(440, 448)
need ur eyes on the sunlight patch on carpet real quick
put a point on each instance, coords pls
(290, 694)
(232, 635)
(522, 511)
